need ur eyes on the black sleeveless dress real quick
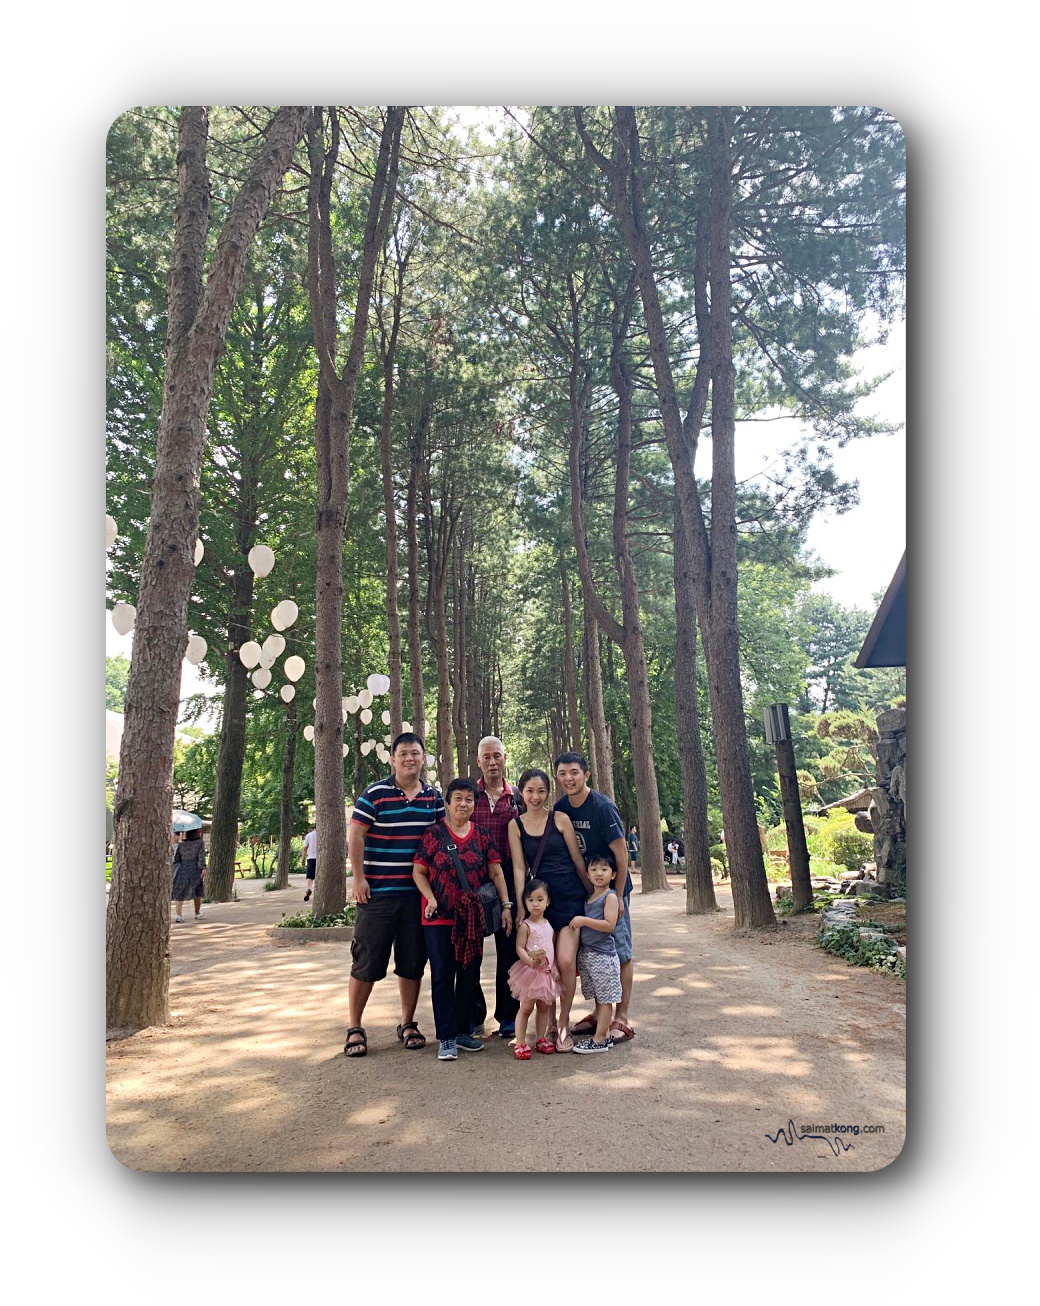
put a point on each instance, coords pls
(567, 894)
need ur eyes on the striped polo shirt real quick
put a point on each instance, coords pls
(394, 825)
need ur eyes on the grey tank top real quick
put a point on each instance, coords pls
(595, 940)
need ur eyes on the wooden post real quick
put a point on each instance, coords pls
(778, 732)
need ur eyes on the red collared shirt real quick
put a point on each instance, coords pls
(496, 821)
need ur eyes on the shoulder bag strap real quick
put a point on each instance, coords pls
(541, 846)
(453, 852)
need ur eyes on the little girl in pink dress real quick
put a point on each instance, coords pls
(534, 980)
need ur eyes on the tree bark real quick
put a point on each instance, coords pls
(287, 808)
(387, 342)
(414, 608)
(714, 557)
(138, 916)
(700, 887)
(601, 762)
(573, 718)
(334, 413)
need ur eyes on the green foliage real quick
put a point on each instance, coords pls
(879, 954)
(307, 920)
(117, 672)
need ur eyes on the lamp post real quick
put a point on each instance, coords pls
(778, 732)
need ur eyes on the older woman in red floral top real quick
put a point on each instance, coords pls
(453, 919)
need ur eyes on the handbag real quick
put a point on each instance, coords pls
(487, 893)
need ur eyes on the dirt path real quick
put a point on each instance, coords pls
(737, 1037)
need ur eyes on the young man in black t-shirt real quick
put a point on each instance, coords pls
(598, 825)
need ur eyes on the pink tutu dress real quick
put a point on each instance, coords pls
(528, 983)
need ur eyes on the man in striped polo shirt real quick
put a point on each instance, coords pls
(385, 830)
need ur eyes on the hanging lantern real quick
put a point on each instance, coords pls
(196, 650)
(284, 614)
(366, 716)
(288, 693)
(308, 734)
(123, 617)
(261, 678)
(261, 560)
(249, 653)
(274, 646)
(294, 667)
(365, 698)
(200, 549)
(111, 530)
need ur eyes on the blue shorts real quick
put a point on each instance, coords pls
(623, 929)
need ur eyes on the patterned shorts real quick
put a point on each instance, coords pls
(600, 975)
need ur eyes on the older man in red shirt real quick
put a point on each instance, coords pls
(497, 803)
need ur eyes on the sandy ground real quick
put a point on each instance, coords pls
(737, 1039)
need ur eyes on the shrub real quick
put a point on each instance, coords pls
(307, 920)
(879, 954)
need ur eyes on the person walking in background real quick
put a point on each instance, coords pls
(389, 820)
(189, 867)
(632, 842)
(497, 804)
(310, 860)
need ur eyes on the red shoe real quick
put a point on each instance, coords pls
(522, 1052)
(545, 1045)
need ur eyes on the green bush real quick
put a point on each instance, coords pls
(718, 869)
(879, 954)
(307, 920)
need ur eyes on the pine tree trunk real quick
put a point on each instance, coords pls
(287, 808)
(414, 609)
(603, 771)
(231, 751)
(700, 887)
(138, 915)
(393, 618)
(574, 720)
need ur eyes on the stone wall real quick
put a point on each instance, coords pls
(888, 805)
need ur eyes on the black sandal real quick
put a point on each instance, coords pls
(414, 1041)
(359, 1048)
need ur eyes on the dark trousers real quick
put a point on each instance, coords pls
(458, 1002)
(506, 1006)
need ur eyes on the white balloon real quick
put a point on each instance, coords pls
(373, 682)
(288, 693)
(351, 703)
(249, 653)
(386, 684)
(261, 559)
(200, 549)
(266, 659)
(383, 755)
(111, 530)
(262, 678)
(123, 617)
(426, 727)
(430, 759)
(366, 747)
(274, 646)
(196, 650)
(406, 725)
(365, 698)
(294, 667)
(345, 750)
(387, 739)
(284, 614)
(385, 718)
(366, 716)
(308, 734)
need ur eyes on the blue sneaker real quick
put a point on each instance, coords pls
(447, 1050)
(507, 1029)
(469, 1044)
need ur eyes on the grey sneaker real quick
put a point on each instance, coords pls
(447, 1050)
(590, 1045)
(469, 1044)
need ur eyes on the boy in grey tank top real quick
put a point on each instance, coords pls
(598, 963)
